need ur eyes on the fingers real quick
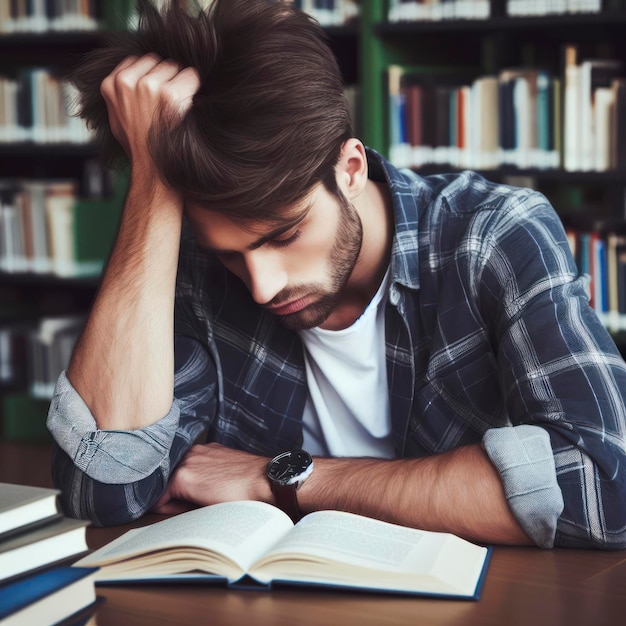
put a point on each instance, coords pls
(152, 79)
(126, 74)
(142, 89)
(180, 90)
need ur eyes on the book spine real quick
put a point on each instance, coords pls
(619, 117)
(571, 133)
(603, 104)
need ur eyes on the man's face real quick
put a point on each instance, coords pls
(295, 268)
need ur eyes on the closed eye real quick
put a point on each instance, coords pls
(286, 241)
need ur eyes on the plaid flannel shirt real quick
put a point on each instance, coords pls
(489, 338)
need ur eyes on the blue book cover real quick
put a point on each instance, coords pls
(25, 593)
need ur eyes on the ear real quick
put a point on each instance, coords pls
(351, 169)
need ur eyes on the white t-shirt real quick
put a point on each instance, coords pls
(347, 409)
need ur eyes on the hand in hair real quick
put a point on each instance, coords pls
(141, 92)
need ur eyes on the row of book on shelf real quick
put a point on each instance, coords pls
(34, 353)
(76, 15)
(38, 544)
(432, 10)
(516, 8)
(38, 16)
(49, 15)
(46, 228)
(330, 12)
(595, 113)
(600, 253)
(523, 117)
(38, 105)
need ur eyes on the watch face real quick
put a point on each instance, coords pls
(291, 467)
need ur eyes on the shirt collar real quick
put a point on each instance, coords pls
(405, 189)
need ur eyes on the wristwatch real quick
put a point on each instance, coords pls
(286, 473)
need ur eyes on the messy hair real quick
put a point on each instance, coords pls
(269, 118)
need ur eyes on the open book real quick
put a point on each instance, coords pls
(255, 544)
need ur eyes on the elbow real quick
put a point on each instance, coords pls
(595, 513)
(102, 504)
(571, 535)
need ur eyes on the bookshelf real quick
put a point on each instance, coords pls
(58, 207)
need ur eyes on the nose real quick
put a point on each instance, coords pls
(266, 276)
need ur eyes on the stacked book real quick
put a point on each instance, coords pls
(37, 543)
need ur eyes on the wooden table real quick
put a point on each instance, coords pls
(524, 586)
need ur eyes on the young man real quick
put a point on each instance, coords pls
(275, 286)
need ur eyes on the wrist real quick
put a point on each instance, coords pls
(286, 473)
(262, 489)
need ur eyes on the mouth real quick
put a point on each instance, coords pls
(291, 307)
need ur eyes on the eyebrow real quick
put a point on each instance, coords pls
(276, 232)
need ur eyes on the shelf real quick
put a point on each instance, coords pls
(46, 161)
(47, 150)
(82, 38)
(48, 281)
(348, 31)
(613, 177)
(59, 49)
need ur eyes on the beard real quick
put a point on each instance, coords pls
(341, 262)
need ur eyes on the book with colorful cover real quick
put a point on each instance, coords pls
(47, 597)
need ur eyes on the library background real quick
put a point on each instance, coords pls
(528, 92)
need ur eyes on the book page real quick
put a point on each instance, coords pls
(342, 548)
(239, 531)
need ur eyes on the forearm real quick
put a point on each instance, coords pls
(124, 358)
(458, 491)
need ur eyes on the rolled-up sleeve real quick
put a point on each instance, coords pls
(112, 456)
(524, 459)
(114, 476)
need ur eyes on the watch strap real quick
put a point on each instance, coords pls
(287, 500)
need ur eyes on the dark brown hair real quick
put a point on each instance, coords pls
(269, 119)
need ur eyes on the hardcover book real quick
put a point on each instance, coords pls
(23, 507)
(41, 547)
(47, 597)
